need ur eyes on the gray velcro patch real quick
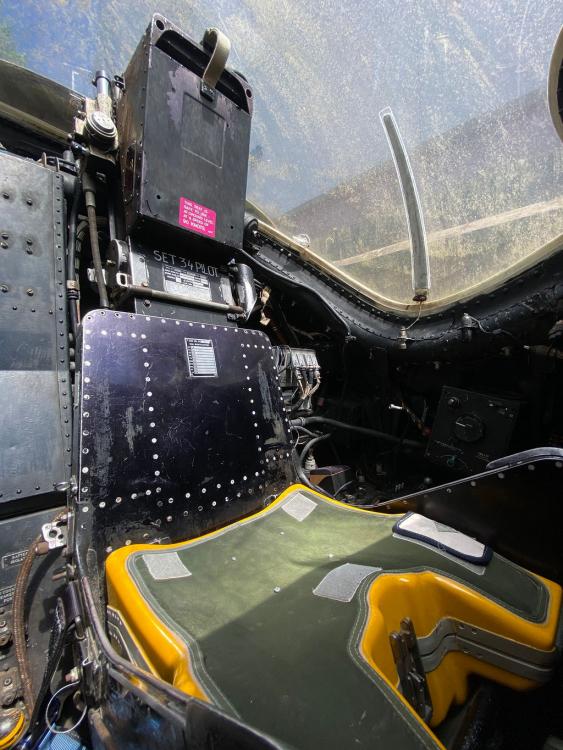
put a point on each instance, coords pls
(342, 582)
(165, 565)
(299, 507)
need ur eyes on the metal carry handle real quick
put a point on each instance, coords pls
(220, 45)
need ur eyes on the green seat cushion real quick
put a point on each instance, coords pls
(286, 660)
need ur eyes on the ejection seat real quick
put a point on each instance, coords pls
(322, 625)
(318, 624)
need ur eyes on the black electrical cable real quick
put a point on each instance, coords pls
(305, 431)
(96, 257)
(343, 486)
(111, 215)
(303, 478)
(309, 445)
(256, 260)
(302, 421)
(90, 197)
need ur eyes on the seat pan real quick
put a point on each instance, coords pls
(282, 620)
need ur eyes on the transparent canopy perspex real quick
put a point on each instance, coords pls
(465, 80)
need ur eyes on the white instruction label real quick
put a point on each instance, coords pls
(201, 358)
(180, 281)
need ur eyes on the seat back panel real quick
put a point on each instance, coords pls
(181, 427)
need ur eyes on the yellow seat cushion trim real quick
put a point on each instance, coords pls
(427, 598)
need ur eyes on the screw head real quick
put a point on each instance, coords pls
(29, 292)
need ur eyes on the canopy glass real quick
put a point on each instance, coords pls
(466, 83)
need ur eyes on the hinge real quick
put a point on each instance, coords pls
(412, 678)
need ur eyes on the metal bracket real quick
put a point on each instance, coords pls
(5, 627)
(505, 653)
(412, 678)
(178, 299)
(10, 686)
(55, 534)
(246, 290)
(207, 91)
(91, 274)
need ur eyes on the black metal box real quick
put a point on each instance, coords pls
(471, 429)
(184, 156)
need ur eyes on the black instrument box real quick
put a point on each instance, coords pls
(471, 429)
(183, 155)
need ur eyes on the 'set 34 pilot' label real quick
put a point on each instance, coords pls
(179, 262)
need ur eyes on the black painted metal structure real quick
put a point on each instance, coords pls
(470, 429)
(515, 506)
(524, 302)
(181, 428)
(35, 424)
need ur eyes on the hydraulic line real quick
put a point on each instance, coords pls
(90, 198)
(18, 609)
(19, 622)
(303, 421)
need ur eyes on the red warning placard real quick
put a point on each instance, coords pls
(196, 217)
